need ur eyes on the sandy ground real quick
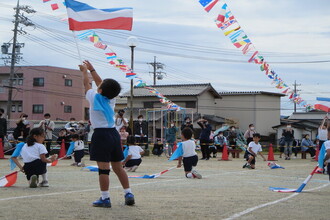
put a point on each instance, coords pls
(226, 192)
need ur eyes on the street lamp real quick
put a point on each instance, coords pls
(132, 42)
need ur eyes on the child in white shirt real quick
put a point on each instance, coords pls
(254, 148)
(34, 158)
(189, 157)
(78, 151)
(133, 159)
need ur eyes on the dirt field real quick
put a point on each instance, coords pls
(226, 192)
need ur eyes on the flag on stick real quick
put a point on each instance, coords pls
(84, 17)
(8, 180)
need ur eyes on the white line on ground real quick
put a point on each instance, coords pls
(113, 187)
(237, 215)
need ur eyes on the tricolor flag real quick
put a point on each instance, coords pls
(100, 45)
(84, 17)
(322, 104)
(52, 164)
(130, 75)
(8, 180)
(208, 4)
(111, 55)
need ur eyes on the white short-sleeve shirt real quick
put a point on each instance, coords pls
(97, 118)
(31, 153)
(188, 148)
(135, 152)
(323, 134)
(255, 147)
(78, 145)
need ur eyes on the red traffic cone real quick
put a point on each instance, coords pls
(224, 153)
(317, 154)
(2, 155)
(271, 153)
(62, 150)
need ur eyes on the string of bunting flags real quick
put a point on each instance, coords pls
(226, 21)
(118, 63)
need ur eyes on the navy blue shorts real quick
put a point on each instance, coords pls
(189, 162)
(133, 162)
(248, 155)
(36, 167)
(106, 146)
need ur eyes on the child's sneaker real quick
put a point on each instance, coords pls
(44, 183)
(129, 199)
(245, 165)
(248, 166)
(102, 203)
(196, 174)
(134, 168)
(34, 181)
(74, 164)
(82, 164)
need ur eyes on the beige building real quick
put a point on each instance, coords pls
(263, 109)
(44, 89)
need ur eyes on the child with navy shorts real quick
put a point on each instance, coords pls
(189, 157)
(105, 144)
(78, 151)
(34, 158)
(133, 159)
(253, 149)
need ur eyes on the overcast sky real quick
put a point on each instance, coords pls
(185, 38)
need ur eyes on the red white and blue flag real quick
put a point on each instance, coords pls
(84, 17)
(208, 4)
(8, 180)
(322, 104)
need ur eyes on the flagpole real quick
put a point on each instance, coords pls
(77, 45)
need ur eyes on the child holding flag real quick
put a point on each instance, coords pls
(133, 159)
(254, 148)
(78, 150)
(105, 146)
(189, 156)
(34, 158)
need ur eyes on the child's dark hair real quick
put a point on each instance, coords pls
(75, 136)
(30, 140)
(187, 133)
(130, 140)
(256, 135)
(110, 88)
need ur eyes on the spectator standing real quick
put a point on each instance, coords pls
(220, 140)
(3, 125)
(232, 136)
(72, 124)
(307, 145)
(288, 134)
(248, 135)
(187, 124)
(204, 138)
(22, 128)
(48, 127)
(140, 130)
(323, 131)
(81, 130)
(120, 121)
(170, 136)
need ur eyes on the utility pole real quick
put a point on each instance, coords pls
(295, 92)
(19, 18)
(157, 75)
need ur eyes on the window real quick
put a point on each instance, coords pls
(148, 104)
(67, 109)
(13, 108)
(19, 108)
(68, 82)
(190, 104)
(38, 81)
(38, 109)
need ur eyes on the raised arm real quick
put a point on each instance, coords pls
(86, 81)
(97, 79)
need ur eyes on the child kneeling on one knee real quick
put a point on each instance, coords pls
(78, 150)
(253, 149)
(133, 159)
(34, 158)
(189, 156)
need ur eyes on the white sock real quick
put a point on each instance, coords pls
(105, 194)
(128, 190)
(44, 177)
(189, 175)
